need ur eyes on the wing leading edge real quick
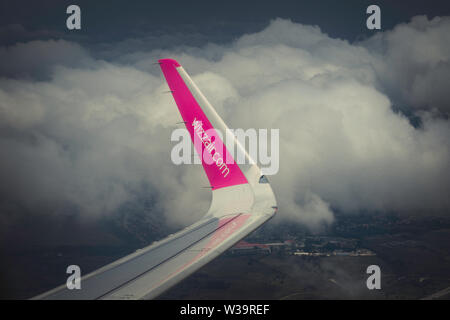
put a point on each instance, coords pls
(240, 204)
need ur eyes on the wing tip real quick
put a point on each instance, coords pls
(169, 62)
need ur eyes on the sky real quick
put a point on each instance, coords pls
(85, 125)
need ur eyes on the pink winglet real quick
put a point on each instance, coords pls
(219, 165)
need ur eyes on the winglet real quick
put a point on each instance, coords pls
(219, 165)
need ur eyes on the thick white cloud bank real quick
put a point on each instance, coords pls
(91, 135)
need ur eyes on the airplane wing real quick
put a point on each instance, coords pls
(242, 201)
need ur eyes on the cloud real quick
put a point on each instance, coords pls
(36, 59)
(84, 135)
(93, 140)
(13, 33)
(412, 62)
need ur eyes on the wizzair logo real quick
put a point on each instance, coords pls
(206, 140)
(242, 147)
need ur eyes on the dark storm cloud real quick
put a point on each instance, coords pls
(217, 21)
(414, 66)
(13, 33)
(36, 59)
